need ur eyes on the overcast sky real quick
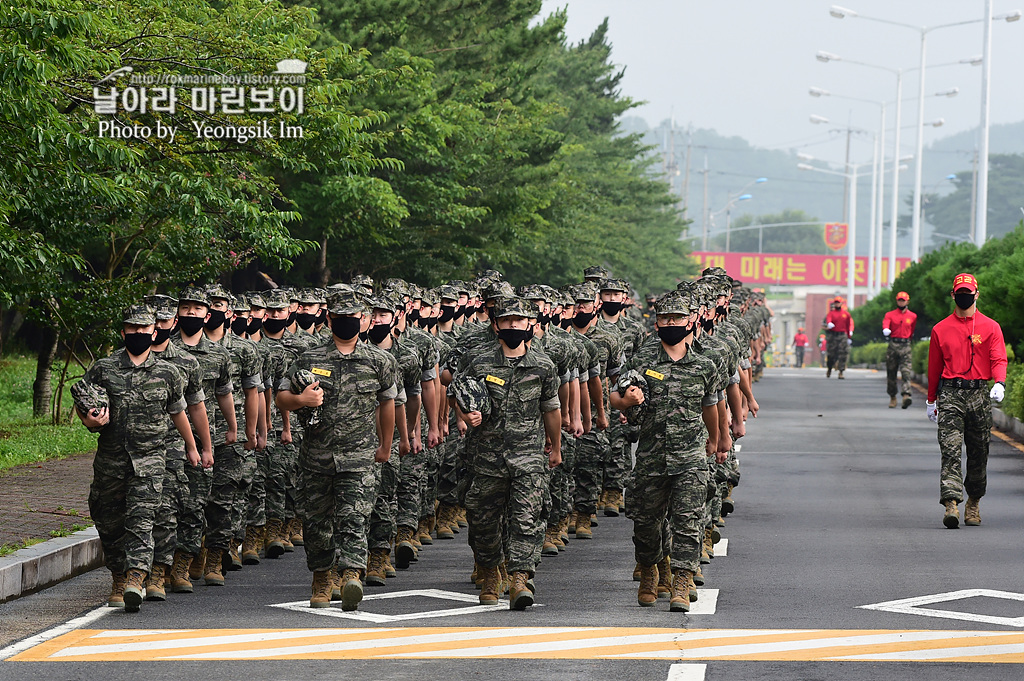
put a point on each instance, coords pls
(744, 68)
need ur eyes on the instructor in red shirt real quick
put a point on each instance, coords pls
(967, 351)
(800, 345)
(898, 326)
(839, 331)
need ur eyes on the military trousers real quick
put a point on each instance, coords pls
(965, 422)
(679, 499)
(280, 474)
(799, 352)
(616, 460)
(123, 509)
(897, 361)
(232, 465)
(412, 475)
(240, 509)
(383, 526)
(588, 473)
(192, 520)
(448, 468)
(172, 499)
(335, 510)
(256, 495)
(560, 484)
(838, 350)
(515, 503)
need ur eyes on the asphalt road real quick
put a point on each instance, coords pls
(837, 509)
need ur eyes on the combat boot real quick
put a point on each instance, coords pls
(709, 544)
(405, 550)
(460, 518)
(680, 601)
(571, 527)
(180, 583)
(351, 589)
(506, 579)
(704, 557)
(602, 499)
(335, 583)
(235, 559)
(474, 577)
(557, 540)
(972, 514)
(728, 504)
(389, 570)
(321, 590)
(423, 531)
(593, 520)
(907, 401)
(840, 374)
(665, 577)
(295, 532)
(563, 530)
(637, 570)
(583, 523)
(251, 545)
(611, 505)
(275, 547)
(698, 577)
(195, 570)
(647, 593)
(549, 548)
(892, 401)
(520, 595)
(286, 534)
(951, 519)
(133, 590)
(490, 584)
(445, 517)
(828, 373)
(116, 599)
(212, 572)
(155, 583)
(716, 534)
(375, 574)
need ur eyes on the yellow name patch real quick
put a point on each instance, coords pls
(320, 372)
(654, 374)
(494, 379)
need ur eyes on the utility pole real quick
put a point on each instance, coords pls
(974, 193)
(686, 175)
(846, 180)
(707, 215)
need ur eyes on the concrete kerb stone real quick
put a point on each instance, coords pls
(37, 567)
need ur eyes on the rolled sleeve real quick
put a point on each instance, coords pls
(389, 393)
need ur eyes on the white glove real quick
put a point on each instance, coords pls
(933, 412)
(997, 392)
(831, 325)
(849, 341)
(886, 332)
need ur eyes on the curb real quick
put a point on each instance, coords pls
(36, 567)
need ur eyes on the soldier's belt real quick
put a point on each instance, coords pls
(901, 341)
(963, 383)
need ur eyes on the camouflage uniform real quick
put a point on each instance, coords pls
(128, 469)
(898, 360)
(965, 418)
(412, 475)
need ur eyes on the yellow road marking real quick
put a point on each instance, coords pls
(565, 643)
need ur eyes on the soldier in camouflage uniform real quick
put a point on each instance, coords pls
(449, 332)
(677, 429)
(235, 461)
(175, 487)
(215, 367)
(128, 469)
(355, 391)
(256, 501)
(507, 452)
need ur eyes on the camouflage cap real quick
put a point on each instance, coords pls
(139, 314)
(255, 300)
(321, 295)
(89, 396)
(596, 273)
(514, 306)
(241, 303)
(462, 287)
(651, 297)
(493, 275)
(345, 302)
(584, 292)
(471, 394)
(612, 284)
(396, 284)
(630, 378)
(430, 297)
(672, 302)
(532, 292)
(164, 307)
(306, 296)
(415, 292)
(193, 294)
(362, 280)
(498, 289)
(340, 286)
(217, 291)
(300, 380)
(448, 292)
(383, 300)
(713, 271)
(275, 299)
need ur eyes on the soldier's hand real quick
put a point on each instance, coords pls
(623, 420)
(634, 396)
(95, 418)
(433, 438)
(720, 457)
(461, 425)
(566, 423)
(403, 448)
(312, 396)
(474, 418)
(738, 429)
(261, 441)
(724, 444)
(576, 428)
(602, 423)
(193, 457)
(207, 459)
(554, 458)
(933, 412)
(250, 442)
(382, 455)
(286, 437)
(417, 444)
(445, 429)
(231, 437)
(752, 407)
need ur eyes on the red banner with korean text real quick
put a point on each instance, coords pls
(795, 270)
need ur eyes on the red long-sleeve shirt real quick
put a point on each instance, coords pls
(966, 347)
(901, 322)
(842, 320)
(800, 341)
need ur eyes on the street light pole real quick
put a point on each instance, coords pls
(981, 216)
(915, 229)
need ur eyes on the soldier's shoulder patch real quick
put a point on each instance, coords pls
(654, 374)
(321, 372)
(494, 379)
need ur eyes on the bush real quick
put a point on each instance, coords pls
(919, 357)
(1013, 403)
(869, 353)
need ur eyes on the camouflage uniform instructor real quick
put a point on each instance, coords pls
(355, 388)
(966, 352)
(128, 470)
(506, 451)
(677, 431)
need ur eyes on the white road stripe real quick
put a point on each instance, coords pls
(722, 547)
(687, 672)
(59, 630)
(706, 604)
(942, 653)
(378, 643)
(808, 644)
(121, 633)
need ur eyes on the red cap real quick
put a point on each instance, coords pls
(903, 295)
(966, 281)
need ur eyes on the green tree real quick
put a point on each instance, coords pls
(805, 239)
(951, 214)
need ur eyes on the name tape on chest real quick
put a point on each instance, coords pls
(494, 379)
(321, 372)
(654, 374)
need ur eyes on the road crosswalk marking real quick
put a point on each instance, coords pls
(531, 643)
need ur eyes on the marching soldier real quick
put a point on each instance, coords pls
(898, 326)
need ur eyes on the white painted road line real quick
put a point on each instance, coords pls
(722, 547)
(59, 630)
(912, 606)
(687, 672)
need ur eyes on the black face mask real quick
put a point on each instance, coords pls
(363, 336)
(137, 343)
(964, 300)
(708, 325)
(345, 328)
(515, 337)
(305, 320)
(291, 318)
(429, 323)
(611, 308)
(582, 319)
(255, 325)
(460, 312)
(447, 313)
(672, 335)
(190, 326)
(321, 316)
(162, 335)
(378, 332)
(216, 320)
(565, 323)
(274, 325)
(239, 325)
(412, 315)
(721, 310)
(543, 320)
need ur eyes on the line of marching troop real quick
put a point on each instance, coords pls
(364, 422)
